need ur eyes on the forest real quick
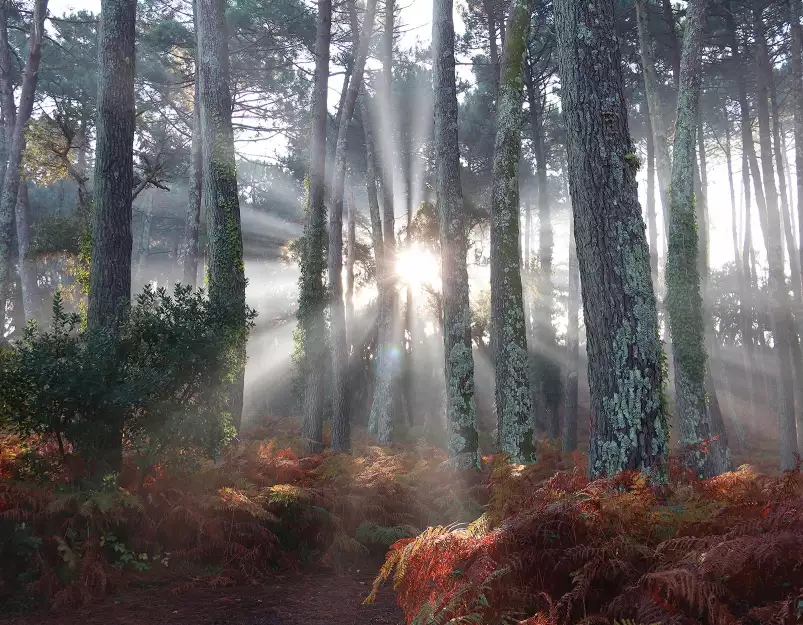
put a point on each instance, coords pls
(486, 312)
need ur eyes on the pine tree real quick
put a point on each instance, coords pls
(629, 427)
(508, 324)
(459, 361)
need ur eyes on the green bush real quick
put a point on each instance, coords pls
(162, 380)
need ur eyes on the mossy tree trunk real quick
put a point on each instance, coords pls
(459, 361)
(195, 183)
(312, 297)
(683, 292)
(220, 196)
(340, 421)
(12, 178)
(508, 324)
(629, 428)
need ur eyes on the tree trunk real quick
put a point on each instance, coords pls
(385, 392)
(683, 298)
(144, 245)
(13, 173)
(351, 238)
(797, 98)
(572, 350)
(195, 186)
(629, 427)
(508, 325)
(545, 400)
(658, 116)
(110, 270)
(26, 264)
(652, 222)
(220, 196)
(674, 43)
(743, 296)
(773, 240)
(459, 361)
(312, 295)
(340, 423)
(490, 12)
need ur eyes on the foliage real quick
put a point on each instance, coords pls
(159, 380)
(565, 550)
(259, 509)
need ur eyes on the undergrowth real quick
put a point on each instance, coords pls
(553, 548)
(259, 509)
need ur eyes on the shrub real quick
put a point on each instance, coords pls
(161, 380)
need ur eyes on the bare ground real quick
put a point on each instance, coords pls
(292, 600)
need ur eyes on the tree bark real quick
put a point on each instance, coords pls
(193, 224)
(683, 298)
(110, 270)
(490, 12)
(13, 173)
(572, 350)
(340, 423)
(311, 290)
(220, 196)
(459, 361)
(629, 426)
(508, 325)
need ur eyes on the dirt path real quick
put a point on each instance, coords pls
(302, 600)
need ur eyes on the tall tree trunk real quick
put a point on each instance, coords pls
(570, 406)
(508, 326)
(110, 270)
(351, 239)
(220, 196)
(773, 240)
(459, 361)
(9, 106)
(743, 296)
(720, 448)
(674, 43)
(658, 116)
(797, 98)
(545, 400)
(193, 224)
(26, 264)
(652, 222)
(629, 428)
(110, 266)
(340, 422)
(490, 12)
(13, 173)
(144, 244)
(683, 298)
(311, 290)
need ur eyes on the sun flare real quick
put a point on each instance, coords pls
(418, 266)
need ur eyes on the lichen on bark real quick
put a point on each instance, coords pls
(508, 325)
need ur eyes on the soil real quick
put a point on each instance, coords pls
(292, 600)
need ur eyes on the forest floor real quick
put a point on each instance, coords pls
(290, 600)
